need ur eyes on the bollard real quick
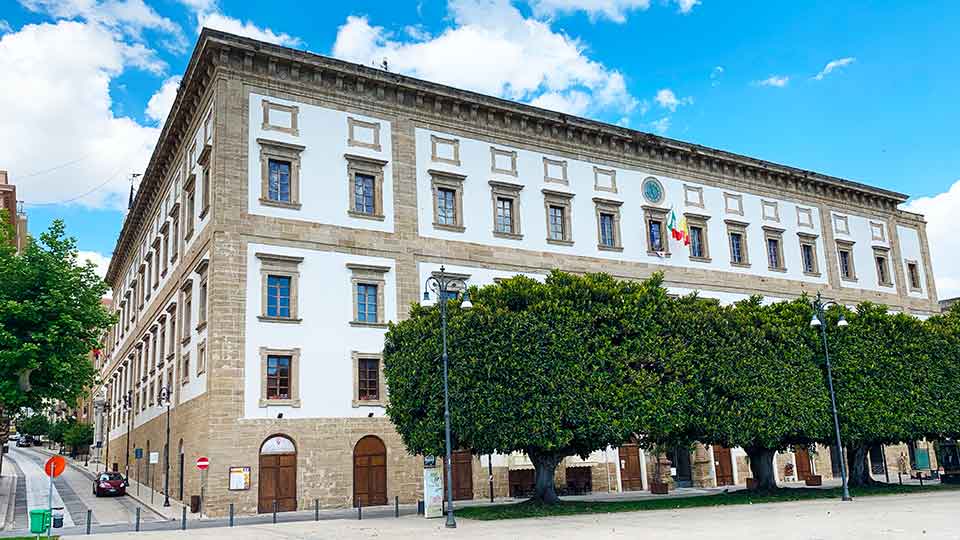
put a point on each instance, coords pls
(274, 511)
(183, 519)
(89, 519)
(920, 476)
(359, 511)
(231, 514)
(396, 506)
(138, 520)
(316, 509)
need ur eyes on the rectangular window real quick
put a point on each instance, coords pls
(806, 250)
(607, 237)
(656, 235)
(557, 231)
(845, 258)
(190, 212)
(368, 378)
(278, 296)
(173, 328)
(202, 302)
(446, 206)
(881, 258)
(363, 196)
(278, 187)
(185, 370)
(187, 309)
(278, 377)
(205, 191)
(367, 303)
(505, 215)
(736, 248)
(201, 357)
(697, 248)
(773, 253)
(162, 341)
(913, 273)
(881, 269)
(175, 238)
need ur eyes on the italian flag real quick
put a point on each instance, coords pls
(679, 230)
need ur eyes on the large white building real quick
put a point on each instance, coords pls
(295, 204)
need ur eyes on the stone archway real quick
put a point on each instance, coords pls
(369, 472)
(278, 475)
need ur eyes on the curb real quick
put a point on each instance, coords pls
(8, 516)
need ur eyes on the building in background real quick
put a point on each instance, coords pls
(948, 303)
(295, 204)
(13, 208)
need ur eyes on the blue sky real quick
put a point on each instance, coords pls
(749, 77)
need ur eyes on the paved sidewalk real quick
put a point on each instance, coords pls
(8, 493)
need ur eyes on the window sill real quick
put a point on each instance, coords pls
(357, 403)
(281, 320)
(280, 204)
(185, 341)
(559, 242)
(848, 279)
(201, 326)
(916, 290)
(507, 235)
(279, 403)
(701, 259)
(173, 258)
(887, 284)
(812, 274)
(170, 356)
(184, 381)
(187, 236)
(661, 254)
(204, 212)
(163, 273)
(201, 372)
(451, 228)
(361, 215)
(781, 270)
(603, 247)
(361, 324)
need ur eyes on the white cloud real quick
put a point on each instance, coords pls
(58, 116)
(661, 126)
(715, 75)
(522, 58)
(162, 101)
(5, 27)
(101, 261)
(614, 10)
(668, 100)
(940, 212)
(219, 21)
(776, 81)
(834, 65)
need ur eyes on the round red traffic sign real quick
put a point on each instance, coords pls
(55, 466)
(203, 463)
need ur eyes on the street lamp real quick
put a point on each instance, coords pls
(165, 396)
(445, 287)
(128, 409)
(819, 321)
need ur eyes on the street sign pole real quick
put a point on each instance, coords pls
(50, 506)
(202, 464)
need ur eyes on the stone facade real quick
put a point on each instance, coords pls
(211, 415)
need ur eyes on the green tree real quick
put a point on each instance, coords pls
(50, 319)
(34, 425)
(548, 369)
(882, 376)
(59, 429)
(78, 437)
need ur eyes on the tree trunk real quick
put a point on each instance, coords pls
(858, 473)
(761, 465)
(545, 468)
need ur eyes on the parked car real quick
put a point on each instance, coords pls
(24, 441)
(109, 483)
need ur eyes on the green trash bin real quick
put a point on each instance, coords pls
(39, 521)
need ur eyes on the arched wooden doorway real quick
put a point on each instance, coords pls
(369, 472)
(278, 475)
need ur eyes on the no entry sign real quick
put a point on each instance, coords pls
(203, 463)
(55, 466)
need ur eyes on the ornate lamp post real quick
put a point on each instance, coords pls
(105, 433)
(165, 397)
(445, 287)
(819, 321)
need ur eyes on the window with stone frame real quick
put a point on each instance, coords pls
(773, 239)
(506, 209)
(280, 117)
(280, 174)
(913, 276)
(172, 312)
(174, 232)
(201, 357)
(148, 277)
(365, 185)
(280, 277)
(655, 220)
(186, 295)
(161, 340)
(157, 262)
(808, 254)
(202, 295)
(881, 258)
(503, 161)
(185, 368)
(165, 243)
(189, 212)
(608, 224)
(558, 206)
(845, 260)
(368, 284)
(737, 242)
(369, 389)
(447, 200)
(363, 134)
(555, 171)
(205, 191)
(699, 238)
(444, 150)
(279, 377)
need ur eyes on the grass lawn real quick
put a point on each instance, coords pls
(529, 509)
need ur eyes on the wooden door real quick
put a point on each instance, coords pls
(804, 469)
(462, 463)
(278, 482)
(369, 472)
(723, 464)
(630, 475)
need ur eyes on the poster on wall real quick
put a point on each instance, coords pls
(239, 478)
(432, 489)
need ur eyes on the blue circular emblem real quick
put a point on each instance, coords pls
(653, 190)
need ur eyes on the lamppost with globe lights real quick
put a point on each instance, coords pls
(445, 287)
(165, 396)
(819, 321)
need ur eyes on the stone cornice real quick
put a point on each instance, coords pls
(219, 49)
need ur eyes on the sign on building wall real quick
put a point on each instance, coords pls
(432, 488)
(239, 478)
(154, 457)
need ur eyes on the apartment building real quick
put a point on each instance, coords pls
(295, 204)
(13, 210)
